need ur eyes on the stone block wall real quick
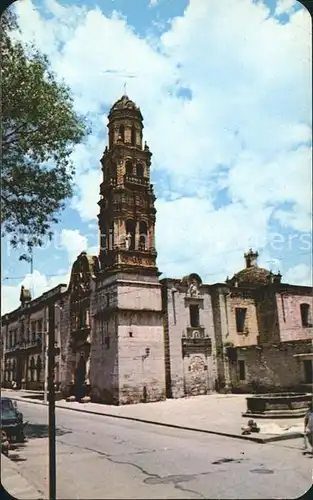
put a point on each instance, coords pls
(270, 368)
(141, 357)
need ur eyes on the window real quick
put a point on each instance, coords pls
(241, 313)
(143, 230)
(121, 132)
(130, 229)
(129, 167)
(242, 370)
(194, 315)
(139, 169)
(305, 315)
(308, 371)
(133, 136)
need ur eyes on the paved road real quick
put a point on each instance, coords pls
(102, 457)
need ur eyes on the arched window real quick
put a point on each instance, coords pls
(133, 136)
(131, 230)
(305, 315)
(143, 232)
(121, 132)
(139, 169)
(129, 167)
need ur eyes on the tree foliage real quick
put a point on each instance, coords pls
(40, 127)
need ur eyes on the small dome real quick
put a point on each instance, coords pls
(252, 276)
(125, 104)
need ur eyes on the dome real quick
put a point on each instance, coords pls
(252, 276)
(125, 104)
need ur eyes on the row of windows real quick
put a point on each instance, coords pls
(29, 333)
(241, 314)
(34, 370)
(138, 170)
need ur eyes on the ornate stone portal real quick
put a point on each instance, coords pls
(84, 271)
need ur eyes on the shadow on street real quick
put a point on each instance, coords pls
(32, 431)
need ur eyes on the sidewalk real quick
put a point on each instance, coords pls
(219, 414)
(15, 484)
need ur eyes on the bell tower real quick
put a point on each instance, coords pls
(127, 213)
(127, 361)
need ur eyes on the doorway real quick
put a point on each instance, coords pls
(80, 378)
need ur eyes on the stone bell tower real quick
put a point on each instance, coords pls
(127, 361)
(127, 213)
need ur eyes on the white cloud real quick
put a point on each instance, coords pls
(285, 6)
(74, 243)
(37, 282)
(246, 127)
(301, 274)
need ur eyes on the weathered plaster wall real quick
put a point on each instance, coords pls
(201, 377)
(289, 316)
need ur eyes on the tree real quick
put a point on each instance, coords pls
(40, 127)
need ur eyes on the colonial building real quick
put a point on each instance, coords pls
(126, 336)
(24, 339)
(265, 327)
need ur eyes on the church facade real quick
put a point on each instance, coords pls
(127, 336)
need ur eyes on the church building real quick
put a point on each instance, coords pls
(125, 335)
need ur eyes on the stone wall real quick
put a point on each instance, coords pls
(270, 368)
(141, 357)
(289, 315)
(196, 373)
(250, 335)
(127, 355)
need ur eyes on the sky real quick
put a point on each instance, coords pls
(225, 91)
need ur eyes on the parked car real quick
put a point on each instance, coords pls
(12, 420)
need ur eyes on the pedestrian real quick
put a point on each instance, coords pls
(308, 426)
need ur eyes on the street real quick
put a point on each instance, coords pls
(103, 457)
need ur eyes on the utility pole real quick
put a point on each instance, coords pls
(51, 389)
(45, 354)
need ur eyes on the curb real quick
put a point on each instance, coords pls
(15, 484)
(260, 440)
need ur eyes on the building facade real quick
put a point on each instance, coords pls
(24, 339)
(127, 336)
(265, 327)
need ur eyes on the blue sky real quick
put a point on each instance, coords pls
(224, 87)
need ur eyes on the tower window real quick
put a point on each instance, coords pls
(305, 315)
(143, 231)
(139, 169)
(121, 132)
(241, 313)
(133, 136)
(194, 315)
(129, 167)
(131, 229)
